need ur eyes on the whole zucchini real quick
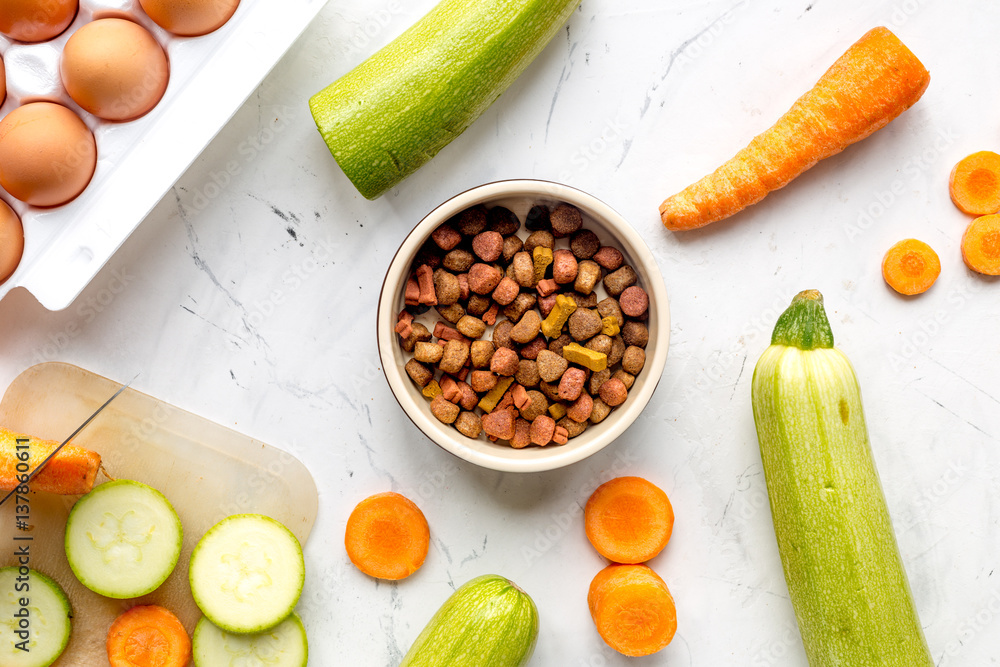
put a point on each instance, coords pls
(488, 622)
(395, 111)
(845, 576)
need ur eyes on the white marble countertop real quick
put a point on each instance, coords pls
(248, 296)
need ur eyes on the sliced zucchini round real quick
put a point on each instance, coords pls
(284, 645)
(34, 618)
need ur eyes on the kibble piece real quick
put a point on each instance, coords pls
(609, 308)
(522, 434)
(600, 343)
(547, 287)
(411, 295)
(584, 244)
(429, 254)
(488, 246)
(542, 258)
(490, 316)
(618, 281)
(444, 410)
(524, 302)
(501, 335)
(581, 408)
(528, 328)
(506, 291)
(609, 326)
(617, 350)
(584, 300)
(458, 260)
(446, 237)
(484, 278)
(428, 353)
(524, 269)
(635, 333)
(471, 327)
(588, 273)
(556, 345)
(551, 391)
(468, 397)
(469, 425)
(452, 313)
(553, 324)
(564, 267)
(455, 354)
(546, 304)
(624, 377)
(425, 283)
(571, 384)
(445, 332)
(519, 395)
(539, 239)
(573, 429)
(596, 380)
(609, 258)
(499, 424)
(537, 405)
(478, 304)
(575, 353)
(511, 246)
(584, 324)
(471, 221)
(446, 288)
(418, 334)
(566, 220)
(633, 360)
(481, 353)
(504, 362)
(531, 350)
(502, 220)
(634, 301)
(527, 373)
(450, 390)
(489, 402)
(543, 428)
(551, 366)
(599, 411)
(482, 381)
(463, 287)
(613, 392)
(537, 218)
(420, 374)
(561, 436)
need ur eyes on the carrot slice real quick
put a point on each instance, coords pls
(911, 267)
(387, 536)
(628, 520)
(981, 245)
(632, 609)
(975, 183)
(71, 472)
(148, 636)
(875, 80)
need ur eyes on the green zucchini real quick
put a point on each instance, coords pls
(841, 562)
(488, 622)
(396, 110)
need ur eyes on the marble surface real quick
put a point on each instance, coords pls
(248, 296)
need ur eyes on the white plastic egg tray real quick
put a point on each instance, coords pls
(137, 161)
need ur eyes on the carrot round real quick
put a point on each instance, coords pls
(71, 472)
(981, 245)
(974, 183)
(387, 536)
(628, 520)
(875, 80)
(148, 636)
(632, 609)
(911, 267)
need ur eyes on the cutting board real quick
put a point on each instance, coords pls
(207, 472)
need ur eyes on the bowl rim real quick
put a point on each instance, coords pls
(386, 338)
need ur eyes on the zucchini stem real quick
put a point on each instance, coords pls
(804, 323)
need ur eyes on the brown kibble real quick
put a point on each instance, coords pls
(543, 428)
(499, 423)
(633, 360)
(418, 334)
(488, 246)
(625, 378)
(537, 405)
(469, 425)
(571, 384)
(471, 221)
(584, 324)
(634, 301)
(420, 374)
(484, 278)
(550, 389)
(551, 366)
(566, 220)
(600, 343)
(444, 410)
(556, 345)
(501, 335)
(609, 307)
(452, 313)
(617, 350)
(584, 300)
(561, 435)
(609, 258)
(539, 239)
(506, 291)
(471, 327)
(445, 237)
(537, 218)
(482, 381)
(428, 353)
(587, 276)
(596, 380)
(524, 302)
(581, 408)
(635, 333)
(531, 350)
(463, 286)
(546, 304)
(502, 220)
(456, 353)
(446, 288)
(504, 362)
(522, 434)
(599, 412)
(478, 304)
(613, 392)
(458, 260)
(523, 267)
(573, 428)
(527, 373)
(481, 353)
(564, 267)
(528, 328)
(584, 244)
(429, 254)
(618, 281)
(468, 399)
(511, 246)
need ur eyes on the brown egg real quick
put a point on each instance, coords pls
(47, 154)
(11, 241)
(36, 20)
(189, 18)
(114, 69)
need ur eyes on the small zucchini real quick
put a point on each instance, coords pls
(488, 622)
(841, 562)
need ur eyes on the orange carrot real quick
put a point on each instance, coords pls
(911, 267)
(632, 609)
(148, 636)
(974, 183)
(387, 536)
(981, 245)
(877, 79)
(71, 472)
(628, 520)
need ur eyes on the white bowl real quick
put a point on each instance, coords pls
(519, 196)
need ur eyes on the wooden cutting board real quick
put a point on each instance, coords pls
(207, 472)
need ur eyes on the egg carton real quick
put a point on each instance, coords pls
(137, 161)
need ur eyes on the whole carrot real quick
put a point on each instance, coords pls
(875, 80)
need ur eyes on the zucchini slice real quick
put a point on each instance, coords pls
(284, 645)
(44, 620)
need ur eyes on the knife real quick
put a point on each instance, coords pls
(65, 442)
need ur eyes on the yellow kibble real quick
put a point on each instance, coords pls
(609, 326)
(575, 353)
(490, 400)
(542, 257)
(554, 323)
(557, 411)
(432, 389)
